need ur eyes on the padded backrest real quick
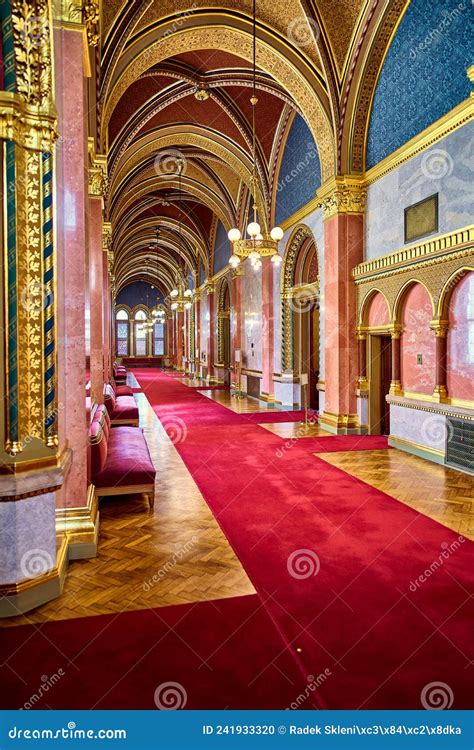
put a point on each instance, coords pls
(109, 397)
(101, 415)
(98, 443)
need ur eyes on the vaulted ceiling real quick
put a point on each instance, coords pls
(175, 84)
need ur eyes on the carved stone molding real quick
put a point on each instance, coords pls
(342, 195)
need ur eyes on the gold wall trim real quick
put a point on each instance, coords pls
(432, 407)
(302, 213)
(456, 118)
(80, 525)
(404, 444)
(433, 251)
(450, 122)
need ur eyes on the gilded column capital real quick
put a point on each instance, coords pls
(396, 330)
(342, 195)
(440, 327)
(106, 236)
(25, 124)
(210, 287)
(98, 181)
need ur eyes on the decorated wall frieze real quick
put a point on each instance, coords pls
(439, 274)
(342, 195)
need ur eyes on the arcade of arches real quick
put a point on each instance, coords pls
(217, 453)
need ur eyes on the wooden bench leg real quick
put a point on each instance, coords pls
(151, 499)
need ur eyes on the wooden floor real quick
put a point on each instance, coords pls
(174, 555)
(239, 405)
(294, 430)
(436, 491)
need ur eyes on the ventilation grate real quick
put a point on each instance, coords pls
(460, 444)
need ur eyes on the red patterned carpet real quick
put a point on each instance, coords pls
(332, 558)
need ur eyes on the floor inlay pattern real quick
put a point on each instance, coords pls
(436, 491)
(174, 555)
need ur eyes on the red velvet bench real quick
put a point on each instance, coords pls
(120, 460)
(123, 410)
(121, 390)
(120, 373)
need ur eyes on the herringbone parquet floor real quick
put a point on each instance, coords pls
(436, 491)
(174, 555)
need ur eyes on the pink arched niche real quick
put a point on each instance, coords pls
(460, 343)
(417, 340)
(377, 314)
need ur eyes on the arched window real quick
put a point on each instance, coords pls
(159, 339)
(122, 332)
(141, 334)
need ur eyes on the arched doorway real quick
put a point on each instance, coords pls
(376, 330)
(301, 314)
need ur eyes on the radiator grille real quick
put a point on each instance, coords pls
(460, 444)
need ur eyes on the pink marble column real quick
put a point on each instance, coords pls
(197, 333)
(107, 307)
(211, 308)
(237, 292)
(179, 339)
(343, 250)
(71, 191)
(96, 289)
(267, 329)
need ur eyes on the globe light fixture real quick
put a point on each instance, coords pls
(174, 293)
(261, 244)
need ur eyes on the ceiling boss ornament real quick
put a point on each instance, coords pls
(257, 246)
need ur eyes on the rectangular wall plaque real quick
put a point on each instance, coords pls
(421, 218)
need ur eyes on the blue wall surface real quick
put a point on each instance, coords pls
(139, 293)
(222, 249)
(300, 171)
(424, 73)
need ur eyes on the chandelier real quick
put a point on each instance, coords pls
(257, 246)
(180, 296)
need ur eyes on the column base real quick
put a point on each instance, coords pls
(440, 394)
(341, 424)
(18, 598)
(81, 527)
(269, 398)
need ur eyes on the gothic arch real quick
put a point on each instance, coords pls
(300, 236)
